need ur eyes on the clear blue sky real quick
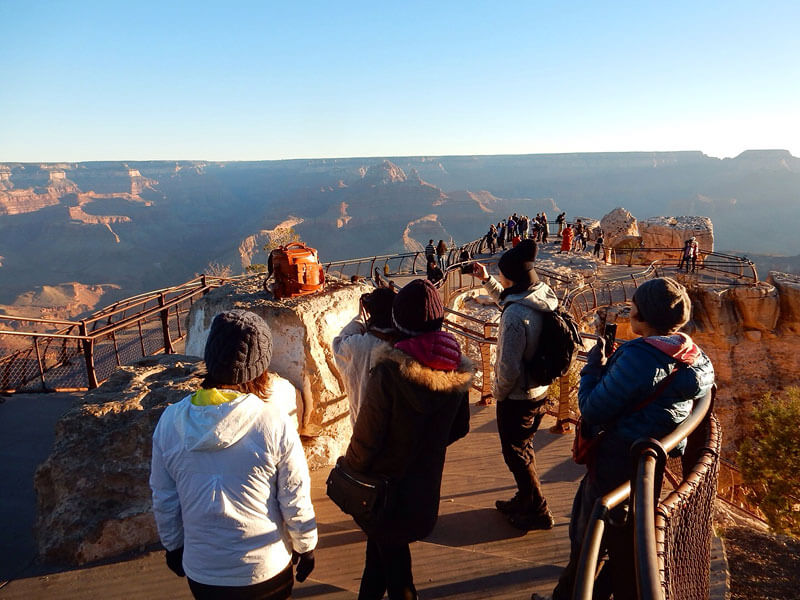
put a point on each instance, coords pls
(113, 80)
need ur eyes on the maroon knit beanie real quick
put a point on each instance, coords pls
(417, 308)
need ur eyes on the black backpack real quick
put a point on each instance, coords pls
(558, 346)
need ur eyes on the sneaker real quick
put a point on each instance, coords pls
(508, 507)
(531, 521)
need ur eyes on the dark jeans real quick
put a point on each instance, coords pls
(387, 568)
(517, 422)
(275, 588)
(618, 574)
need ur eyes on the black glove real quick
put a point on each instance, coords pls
(595, 359)
(175, 561)
(305, 564)
(597, 355)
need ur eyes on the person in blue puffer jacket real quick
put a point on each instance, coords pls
(609, 392)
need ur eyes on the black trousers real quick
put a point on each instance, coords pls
(275, 588)
(387, 568)
(618, 573)
(517, 422)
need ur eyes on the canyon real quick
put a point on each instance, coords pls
(130, 227)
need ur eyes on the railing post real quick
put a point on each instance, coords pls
(486, 367)
(39, 361)
(562, 423)
(88, 355)
(650, 459)
(168, 349)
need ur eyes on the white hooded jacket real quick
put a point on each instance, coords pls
(354, 350)
(230, 484)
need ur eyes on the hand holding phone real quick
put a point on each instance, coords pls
(609, 335)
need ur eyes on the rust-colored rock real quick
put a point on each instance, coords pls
(618, 225)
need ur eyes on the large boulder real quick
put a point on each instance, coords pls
(93, 496)
(618, 225)
(303, 329)
(758, 306)
(672, 232)
(788, 287)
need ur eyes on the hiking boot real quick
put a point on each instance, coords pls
(508, 507)
(531, 521)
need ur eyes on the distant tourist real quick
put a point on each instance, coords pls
(435, 273)
(664, 369)
(430, 250)
(441, 255)
(520, 403)
(690, 252)
(231, 490)
(566, 239)
(416, 405)
(544, 228)
(501, 235)
(491, 239)
(598, 244)
(360, 339)
(560, 219)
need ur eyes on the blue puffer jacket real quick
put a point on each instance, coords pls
(631, 375)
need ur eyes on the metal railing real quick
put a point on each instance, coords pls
(712, 265)
(647, 480)
(591, 296)
(73, 356)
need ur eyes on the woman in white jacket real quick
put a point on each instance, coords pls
(231, 490)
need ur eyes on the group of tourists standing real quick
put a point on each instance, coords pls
(515, 229)
(231, 489)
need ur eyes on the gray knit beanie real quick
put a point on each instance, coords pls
(238, 348)
(663, 303)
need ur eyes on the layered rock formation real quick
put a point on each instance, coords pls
(630, 237)
(93, 496)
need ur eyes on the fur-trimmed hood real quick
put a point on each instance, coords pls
(414, 372)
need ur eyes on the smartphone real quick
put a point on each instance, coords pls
(610, 335)
(466, 268)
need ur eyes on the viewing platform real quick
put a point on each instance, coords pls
(473, 553)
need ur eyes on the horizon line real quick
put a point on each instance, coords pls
(389, 156)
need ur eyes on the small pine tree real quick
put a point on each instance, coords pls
(281, 237)
(770, 459)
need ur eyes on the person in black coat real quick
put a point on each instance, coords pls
(415, 405)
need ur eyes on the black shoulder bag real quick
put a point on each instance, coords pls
(363, 496)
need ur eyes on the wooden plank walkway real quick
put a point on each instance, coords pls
(471, 554)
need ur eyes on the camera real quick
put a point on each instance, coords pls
(466, 268)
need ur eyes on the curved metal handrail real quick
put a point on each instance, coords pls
(590, 550)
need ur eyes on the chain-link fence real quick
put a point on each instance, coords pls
(684, 518)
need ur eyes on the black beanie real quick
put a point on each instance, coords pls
(663, 303)
(417, 308)
(378, 305)
(238, 348)
(517, 263)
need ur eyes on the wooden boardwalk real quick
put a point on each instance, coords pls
(471, 554)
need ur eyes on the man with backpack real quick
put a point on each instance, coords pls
(520, 398)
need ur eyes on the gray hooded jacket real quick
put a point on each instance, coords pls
(518, 338)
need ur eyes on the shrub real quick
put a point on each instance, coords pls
(770, 459)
